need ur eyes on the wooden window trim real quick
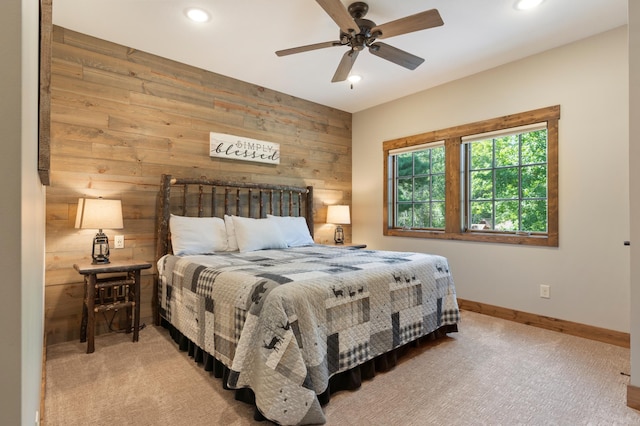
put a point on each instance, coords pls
(453, 140)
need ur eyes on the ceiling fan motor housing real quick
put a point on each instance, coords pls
(363, 38)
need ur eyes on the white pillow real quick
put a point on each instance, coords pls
(232, 243)
(197, 235)
(294, 229)
(257, 234)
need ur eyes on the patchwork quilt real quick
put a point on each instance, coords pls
(285, 321)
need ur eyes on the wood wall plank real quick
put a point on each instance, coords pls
(122, 117)
(44, 98)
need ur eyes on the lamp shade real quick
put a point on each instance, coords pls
(338, 214)
(98, 213)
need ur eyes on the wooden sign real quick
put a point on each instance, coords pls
(238, 148)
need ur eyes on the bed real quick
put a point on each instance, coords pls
(283, 321)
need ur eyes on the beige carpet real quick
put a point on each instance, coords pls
(492, 372)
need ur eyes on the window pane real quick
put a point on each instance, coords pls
(405, 189)
(421, 164)
(437, 160)
(482, 155)
(405, 164)
(421, 215)
(507, 183)
(416, 185)
(507, 215)
(534, 147)
(421, 189)
(534, 215)
(437, 187)
(507, 151)
(482, 185)
(404, 215)
(534, 182)
(482, 212)
(437, 215)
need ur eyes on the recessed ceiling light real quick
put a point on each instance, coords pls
(354, 78)
(527, 4)
(197, 15)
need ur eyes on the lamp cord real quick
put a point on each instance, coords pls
(110, 323)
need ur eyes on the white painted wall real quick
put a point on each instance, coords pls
(589, 271)
(22, 216)
(634, 182)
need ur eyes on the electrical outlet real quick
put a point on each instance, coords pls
(544, 291)
(118, 241)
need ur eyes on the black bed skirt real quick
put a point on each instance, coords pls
(347, 380)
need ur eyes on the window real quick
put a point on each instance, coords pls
(506, 180)
(492, 181)
(418, 187)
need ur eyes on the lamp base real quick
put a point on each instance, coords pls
(100, 252)
(338, 235)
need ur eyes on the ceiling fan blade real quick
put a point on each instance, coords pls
(344, 68)
(395, 55)
(419, 21)
(307, 48)
(336, 10)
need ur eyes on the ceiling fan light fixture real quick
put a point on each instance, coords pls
(527, 4)
(197, 15)
(355, 78)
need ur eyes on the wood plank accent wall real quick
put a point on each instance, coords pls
(121, 117)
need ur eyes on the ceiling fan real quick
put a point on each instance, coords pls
(358, 33)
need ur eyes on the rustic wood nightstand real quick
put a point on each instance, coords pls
(120, 290)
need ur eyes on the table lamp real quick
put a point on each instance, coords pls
(98, 213)
(338, 215)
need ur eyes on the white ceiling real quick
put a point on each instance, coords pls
(240, 39)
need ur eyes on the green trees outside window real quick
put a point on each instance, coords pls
(492, 181)
(420, 189)
(507, 183)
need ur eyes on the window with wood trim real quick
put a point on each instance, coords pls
(492, 181)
